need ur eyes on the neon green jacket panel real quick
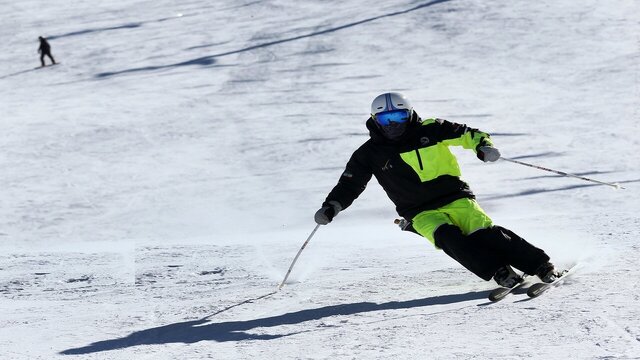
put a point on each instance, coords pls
(435, 159)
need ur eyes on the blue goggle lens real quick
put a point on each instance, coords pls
(396, 116)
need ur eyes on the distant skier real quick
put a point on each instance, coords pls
(45, 49)
(411, 160)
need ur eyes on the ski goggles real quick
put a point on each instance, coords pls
(395, 116)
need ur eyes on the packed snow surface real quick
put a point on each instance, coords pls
(158, 182)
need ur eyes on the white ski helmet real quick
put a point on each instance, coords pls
(390, 101)
(392, 113)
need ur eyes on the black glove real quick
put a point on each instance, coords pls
(327, 212)
(405, 225)
(488, 153)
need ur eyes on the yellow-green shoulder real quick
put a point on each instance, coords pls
(430, 121)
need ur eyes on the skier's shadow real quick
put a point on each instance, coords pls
(19, 72)
(203, 329)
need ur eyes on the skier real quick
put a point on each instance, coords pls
(411, 160)
(45, 49)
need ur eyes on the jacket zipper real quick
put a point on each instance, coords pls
(419, 159)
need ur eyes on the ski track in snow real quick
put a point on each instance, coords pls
(158, 182)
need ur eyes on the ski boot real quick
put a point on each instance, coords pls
(506, 277)
(547, 273)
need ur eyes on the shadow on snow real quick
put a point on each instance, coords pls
(210, 60)
(202, 329)
(541, 191)
(131, 25)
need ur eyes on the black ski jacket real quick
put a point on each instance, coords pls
(418, 172)
(44, 48)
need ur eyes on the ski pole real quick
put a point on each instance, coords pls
(298, 255)
(615, 185)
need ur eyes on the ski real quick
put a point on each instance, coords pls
(502, 292)
(538, 289)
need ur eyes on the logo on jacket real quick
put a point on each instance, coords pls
(424, 140)
(387, 165)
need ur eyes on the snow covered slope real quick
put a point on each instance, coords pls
(158, 182)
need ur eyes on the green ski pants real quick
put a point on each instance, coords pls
(463, 213)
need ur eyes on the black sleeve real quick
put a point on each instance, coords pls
(450, 130)
(352, 182)
(461, 135)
